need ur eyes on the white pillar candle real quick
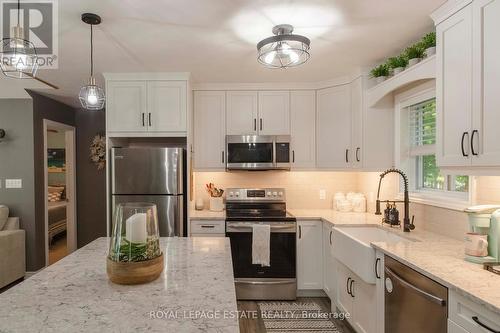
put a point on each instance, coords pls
(135, 228)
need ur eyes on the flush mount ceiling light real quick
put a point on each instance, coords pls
(92, 96)
(284, 49)
(18, 55)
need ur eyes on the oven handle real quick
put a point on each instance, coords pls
(408, 285)
(264, 282)
(273, 227)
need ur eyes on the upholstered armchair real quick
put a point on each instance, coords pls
(12, 252)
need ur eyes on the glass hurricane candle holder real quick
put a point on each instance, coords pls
(134, 252)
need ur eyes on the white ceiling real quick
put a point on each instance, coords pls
(215, 39)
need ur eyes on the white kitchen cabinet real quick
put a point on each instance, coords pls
(334, 127)
(485, 136)
(454, 89)
(274, 112)
(454, 328)
(209, 130)
(329, 268)
(242, 113)
(470, 316)
(303, 129)
(167, 106)
(126, 106)
(309, 255)
(380, 291)
(208, 228)
(356, 151)
(357, 298)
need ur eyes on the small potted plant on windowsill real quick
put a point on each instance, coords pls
(428, 43)
(397, 64)
(380, 73)
(414, 53)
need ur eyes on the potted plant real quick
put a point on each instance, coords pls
(397, 64)
(380, 73)
(414, 53)
(428, 43)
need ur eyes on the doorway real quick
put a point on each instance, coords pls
(60, 191)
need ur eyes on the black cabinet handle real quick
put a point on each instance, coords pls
(331, 237)
(377, 275)
(350, 287)
(357, 154)
(254, 124)
(474, 132)
(347, 286)
(222, 156)
(208, 226)
(143, 121)
(463, 150)
(149, 119)
(347, 155)
(261, 124)
(293, 156)
(300, 232)
(477, 321)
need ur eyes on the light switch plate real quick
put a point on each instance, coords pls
(13, 183)
(322, 194)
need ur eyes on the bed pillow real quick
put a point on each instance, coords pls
(4, 215)
(55, 196)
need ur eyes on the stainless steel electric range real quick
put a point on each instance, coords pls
(245, 207)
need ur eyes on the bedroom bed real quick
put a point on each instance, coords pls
(57, 215)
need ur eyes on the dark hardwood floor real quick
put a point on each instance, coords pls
(250, 325)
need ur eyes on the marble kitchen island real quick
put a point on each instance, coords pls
(195, 293)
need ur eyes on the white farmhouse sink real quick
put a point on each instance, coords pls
(351, 246)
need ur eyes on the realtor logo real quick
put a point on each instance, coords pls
(39, 20)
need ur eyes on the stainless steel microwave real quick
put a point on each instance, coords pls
(258, 152)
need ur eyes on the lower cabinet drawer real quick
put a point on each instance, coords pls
(208, 227)
(454, 328)
(473, 317)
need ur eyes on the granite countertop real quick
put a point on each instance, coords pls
(436, 256)
(75, 294)
(206, 214)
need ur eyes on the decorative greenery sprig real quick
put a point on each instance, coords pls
(136, 251)
(396, 62)
(414, 51)
(428, 40)
(380, 70)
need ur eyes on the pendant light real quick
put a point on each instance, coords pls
(18, 55)
(284, 49)
(92, 96)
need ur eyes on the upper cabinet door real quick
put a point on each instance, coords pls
(126, 106)
(241, 115)
(167, 110)
(357, 122)
(303, 129)
(334, 128)
(209, 129)
(454, 89)
(274, 113)
(485, 138)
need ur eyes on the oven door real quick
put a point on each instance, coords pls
(249, 152)
(278, 281)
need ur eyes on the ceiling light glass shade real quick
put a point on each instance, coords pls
(284, 49)
(18, 57)
(92, 97)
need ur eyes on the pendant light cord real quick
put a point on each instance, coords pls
(91, 50)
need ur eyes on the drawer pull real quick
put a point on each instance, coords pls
(377, 261)
(208, 226)
(477, 321)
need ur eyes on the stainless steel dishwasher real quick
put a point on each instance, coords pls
(413, 302)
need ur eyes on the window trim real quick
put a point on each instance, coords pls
(444, 199)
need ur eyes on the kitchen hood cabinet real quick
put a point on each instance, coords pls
(467, 86)
(209, 130)
(147, 104)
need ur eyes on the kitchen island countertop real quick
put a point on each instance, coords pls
(195, 293)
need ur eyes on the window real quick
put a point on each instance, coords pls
(416, 149)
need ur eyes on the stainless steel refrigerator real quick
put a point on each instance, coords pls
(153, 175)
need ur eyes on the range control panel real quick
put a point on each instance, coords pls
(255, 194)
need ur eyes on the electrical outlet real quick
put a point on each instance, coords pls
(322, 194)
(13, 183)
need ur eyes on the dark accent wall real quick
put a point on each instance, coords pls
(43, 108)
(91, 183)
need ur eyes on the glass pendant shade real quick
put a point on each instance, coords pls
(18, 56)
(92, 96)
(284, 49)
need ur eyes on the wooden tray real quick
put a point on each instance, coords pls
(134, 272)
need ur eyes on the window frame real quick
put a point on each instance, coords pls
(439, 198)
